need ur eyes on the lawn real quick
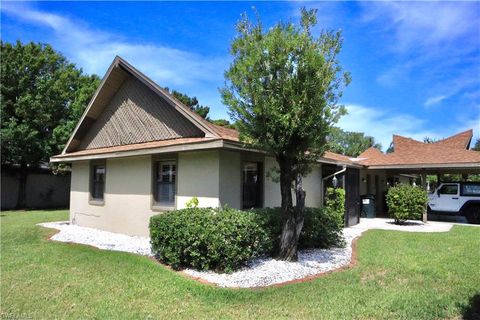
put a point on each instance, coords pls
(398, 275)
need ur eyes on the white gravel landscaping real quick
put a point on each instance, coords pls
(259, 272)
(98, 238)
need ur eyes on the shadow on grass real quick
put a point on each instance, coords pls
(472, 310)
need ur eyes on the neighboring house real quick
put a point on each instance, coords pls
(138, 151)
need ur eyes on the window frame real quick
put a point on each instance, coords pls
(91, 199)
(449, 185)
(261, 184)
(156, 205)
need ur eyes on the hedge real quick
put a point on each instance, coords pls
(406, 202)
(208, 239)
(225, 239)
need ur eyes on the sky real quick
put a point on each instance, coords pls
(415, 66)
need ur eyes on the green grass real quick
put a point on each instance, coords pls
(398, 275)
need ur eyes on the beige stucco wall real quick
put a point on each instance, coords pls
(214, 177)
(230, 184)
(127, 198)
(311, 184)
(198, 176)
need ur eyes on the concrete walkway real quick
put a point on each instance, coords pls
(410, 226)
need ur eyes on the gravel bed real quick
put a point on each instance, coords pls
(263, 272)
(98, 238)
(259, 272)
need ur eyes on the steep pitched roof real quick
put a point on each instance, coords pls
(452, 150)
(114, 78)
(459, 141)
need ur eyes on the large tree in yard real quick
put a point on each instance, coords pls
(42, 98)
(283, 89)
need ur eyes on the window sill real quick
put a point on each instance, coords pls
(163, 208)
(96, 202)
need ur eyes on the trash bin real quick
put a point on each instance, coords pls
(368, 206)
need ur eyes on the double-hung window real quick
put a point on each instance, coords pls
(97, 184)
(165, 183)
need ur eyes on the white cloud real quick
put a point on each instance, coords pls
(383, 124)
(94, 50)
(434, 100)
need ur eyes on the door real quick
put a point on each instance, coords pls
(352, 197)
(446, 199)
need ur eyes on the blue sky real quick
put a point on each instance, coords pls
(415, 65)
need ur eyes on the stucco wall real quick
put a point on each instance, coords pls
(127, 205)
(198, 176)
(230, 179)
(311, 184)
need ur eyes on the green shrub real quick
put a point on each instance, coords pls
(322, 227)
(335, 200)
(406, 202)
(220, 239)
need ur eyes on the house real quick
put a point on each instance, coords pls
(138, 151)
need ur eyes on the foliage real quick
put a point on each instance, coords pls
(219, 239)
(42, 98)
(283, 89)
(223, 123)
(335, 200)
(191, 102)
(406, 202)
(350, 143)
(476, 147)
(120, 285)
(192, 203)
(322, 227)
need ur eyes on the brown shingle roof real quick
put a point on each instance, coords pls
(412, 152)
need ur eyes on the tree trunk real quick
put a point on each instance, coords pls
(22, 187)
(294, 217)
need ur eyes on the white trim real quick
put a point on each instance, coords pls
(427, 166)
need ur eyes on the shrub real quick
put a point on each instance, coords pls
(220, 239)
(406, 202)
(322, 227)
(335, 200)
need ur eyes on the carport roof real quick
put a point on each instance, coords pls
(450, 152)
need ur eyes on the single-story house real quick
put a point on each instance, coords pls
(138, 151)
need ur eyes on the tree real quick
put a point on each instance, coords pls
(476, 147)
(282, 89)
(350, 143)
(223, 123)
(42, 98)
(191, 102)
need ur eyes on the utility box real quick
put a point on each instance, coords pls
(368, 206)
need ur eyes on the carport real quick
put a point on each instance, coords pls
(411, 161)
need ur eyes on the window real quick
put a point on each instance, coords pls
(97, 181)
(471, 190)
(165, 177)
(252, 185)
(449, 189)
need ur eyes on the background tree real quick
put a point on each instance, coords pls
(42, 98)
(476, 147)
(283, 88)
(350, 143)
(191, 102)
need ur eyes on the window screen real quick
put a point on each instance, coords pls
(165, 178)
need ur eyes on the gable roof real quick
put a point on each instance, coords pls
(407, 151)
(116, 74)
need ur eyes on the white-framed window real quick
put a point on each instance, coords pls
(165, 183)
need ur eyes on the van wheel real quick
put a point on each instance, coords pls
(473, 214)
